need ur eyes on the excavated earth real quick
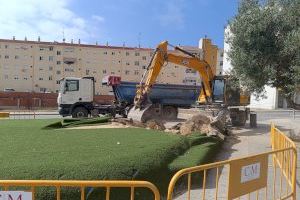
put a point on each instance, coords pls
(189, 121)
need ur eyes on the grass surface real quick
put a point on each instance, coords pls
(30, 152)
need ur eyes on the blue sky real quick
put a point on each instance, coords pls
(117, 21)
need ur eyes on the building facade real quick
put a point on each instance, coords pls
(36, 66)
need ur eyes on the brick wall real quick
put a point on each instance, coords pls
(39, 100)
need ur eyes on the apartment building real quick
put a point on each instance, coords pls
(37, 66)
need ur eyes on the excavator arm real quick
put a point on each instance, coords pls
(162, 56)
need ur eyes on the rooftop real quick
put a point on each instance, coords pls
(72, 44)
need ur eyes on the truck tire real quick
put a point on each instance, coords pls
(170, 112)
(80, 112)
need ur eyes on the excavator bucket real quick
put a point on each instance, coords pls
(141, 114)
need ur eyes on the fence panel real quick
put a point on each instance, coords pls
(269, 175)
(108, 185)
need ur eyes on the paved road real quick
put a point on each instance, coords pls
(245, 142)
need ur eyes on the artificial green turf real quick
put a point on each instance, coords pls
(28, 151)
(77, 122)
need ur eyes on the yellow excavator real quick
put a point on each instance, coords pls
(216, 91)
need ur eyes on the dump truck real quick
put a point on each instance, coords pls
(76, 96)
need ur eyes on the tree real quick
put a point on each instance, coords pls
(265, 46)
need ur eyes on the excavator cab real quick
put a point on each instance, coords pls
(218, 88)
(224, 91)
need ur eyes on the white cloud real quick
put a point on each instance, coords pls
(98, 18)
(47, 19)
(173, 15)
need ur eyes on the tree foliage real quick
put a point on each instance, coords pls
(265, 45)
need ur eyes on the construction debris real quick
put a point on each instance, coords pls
(202, 123)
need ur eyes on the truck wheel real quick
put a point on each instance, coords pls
(170, 112)
(80, 112)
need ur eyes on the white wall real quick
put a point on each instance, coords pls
(270, 102)
(226, 61)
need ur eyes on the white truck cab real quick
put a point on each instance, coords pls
(75, 96)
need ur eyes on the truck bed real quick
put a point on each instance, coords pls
(165, 94)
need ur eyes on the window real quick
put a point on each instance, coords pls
(112, 72)
(105, 52)
(50, 78)
(41, 58)
(6, 46)
(6, 77)
(104, 71)
(137, 63)
(87, 72)
(50, 68)
(16, 57)
(136, 53)
(58, 62)
(175, 66)
(50, 58)
(16, 78)
(192, 71)
(58, 53)
(221, 63)
(218, 90)
(69, 70)
(50, 48)
(41, 79)
(58, 82)
(6, 57)
(127, 53)
(112, 53)
(127, 72)
(72, 85)
(25, 78)
(42, 49)
(144, 66)
(136, 72)
(144, 58)
(43, 89)
(58, 72)
(127, 63)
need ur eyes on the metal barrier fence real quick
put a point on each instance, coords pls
(270, 175)
(33, 184)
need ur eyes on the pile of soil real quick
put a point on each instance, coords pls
(198, 123)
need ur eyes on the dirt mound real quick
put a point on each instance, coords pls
(198, 123)
(150, 124)
(155, 124)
